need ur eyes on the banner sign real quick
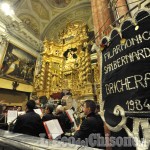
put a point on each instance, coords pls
(126, 68)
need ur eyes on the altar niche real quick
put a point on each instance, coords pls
(66, 63)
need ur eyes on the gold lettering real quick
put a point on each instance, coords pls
(147, 77)
(138, 81)
(146, 35)
(147, 52)
(140, 53)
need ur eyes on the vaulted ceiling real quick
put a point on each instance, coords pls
(46, 18)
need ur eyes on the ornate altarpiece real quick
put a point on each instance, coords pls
(66, 64)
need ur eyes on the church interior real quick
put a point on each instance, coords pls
(52, 38)
(52, 49)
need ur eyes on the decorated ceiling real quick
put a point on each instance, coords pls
(48, 18)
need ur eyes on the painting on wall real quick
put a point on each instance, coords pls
(18, 65)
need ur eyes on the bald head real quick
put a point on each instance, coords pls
(59, 108)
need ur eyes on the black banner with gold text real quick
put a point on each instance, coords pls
(126, 69)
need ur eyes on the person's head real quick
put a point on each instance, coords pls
(15, 108)
(59, 109)
(19, 108)
(49, 108)
(30, 105)
(63, 102)
(89, 107)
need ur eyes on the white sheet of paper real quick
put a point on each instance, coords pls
(11, 115)
(70, 113)
(54, 128)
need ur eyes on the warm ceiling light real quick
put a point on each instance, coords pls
(6, 9)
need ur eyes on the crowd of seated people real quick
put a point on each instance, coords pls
(31, 123)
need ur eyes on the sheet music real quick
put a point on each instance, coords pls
(70, 114)
(54, 128)
(11, 115)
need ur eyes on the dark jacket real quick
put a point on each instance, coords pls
(47, 117)
(3, 125)
(29, 123)
(93, 124)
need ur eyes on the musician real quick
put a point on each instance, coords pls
(60, 116)
(92, 124)
(29, 123)
(19, 108)
(49, 108)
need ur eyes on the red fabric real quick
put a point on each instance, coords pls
(56, 95)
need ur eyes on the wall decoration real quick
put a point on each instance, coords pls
(18, 65)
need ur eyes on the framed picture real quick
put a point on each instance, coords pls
(18, 65)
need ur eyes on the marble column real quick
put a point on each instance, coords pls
(95, 17)
(122, 8)
(101, 18)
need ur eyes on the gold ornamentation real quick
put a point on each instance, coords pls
(59, 72)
